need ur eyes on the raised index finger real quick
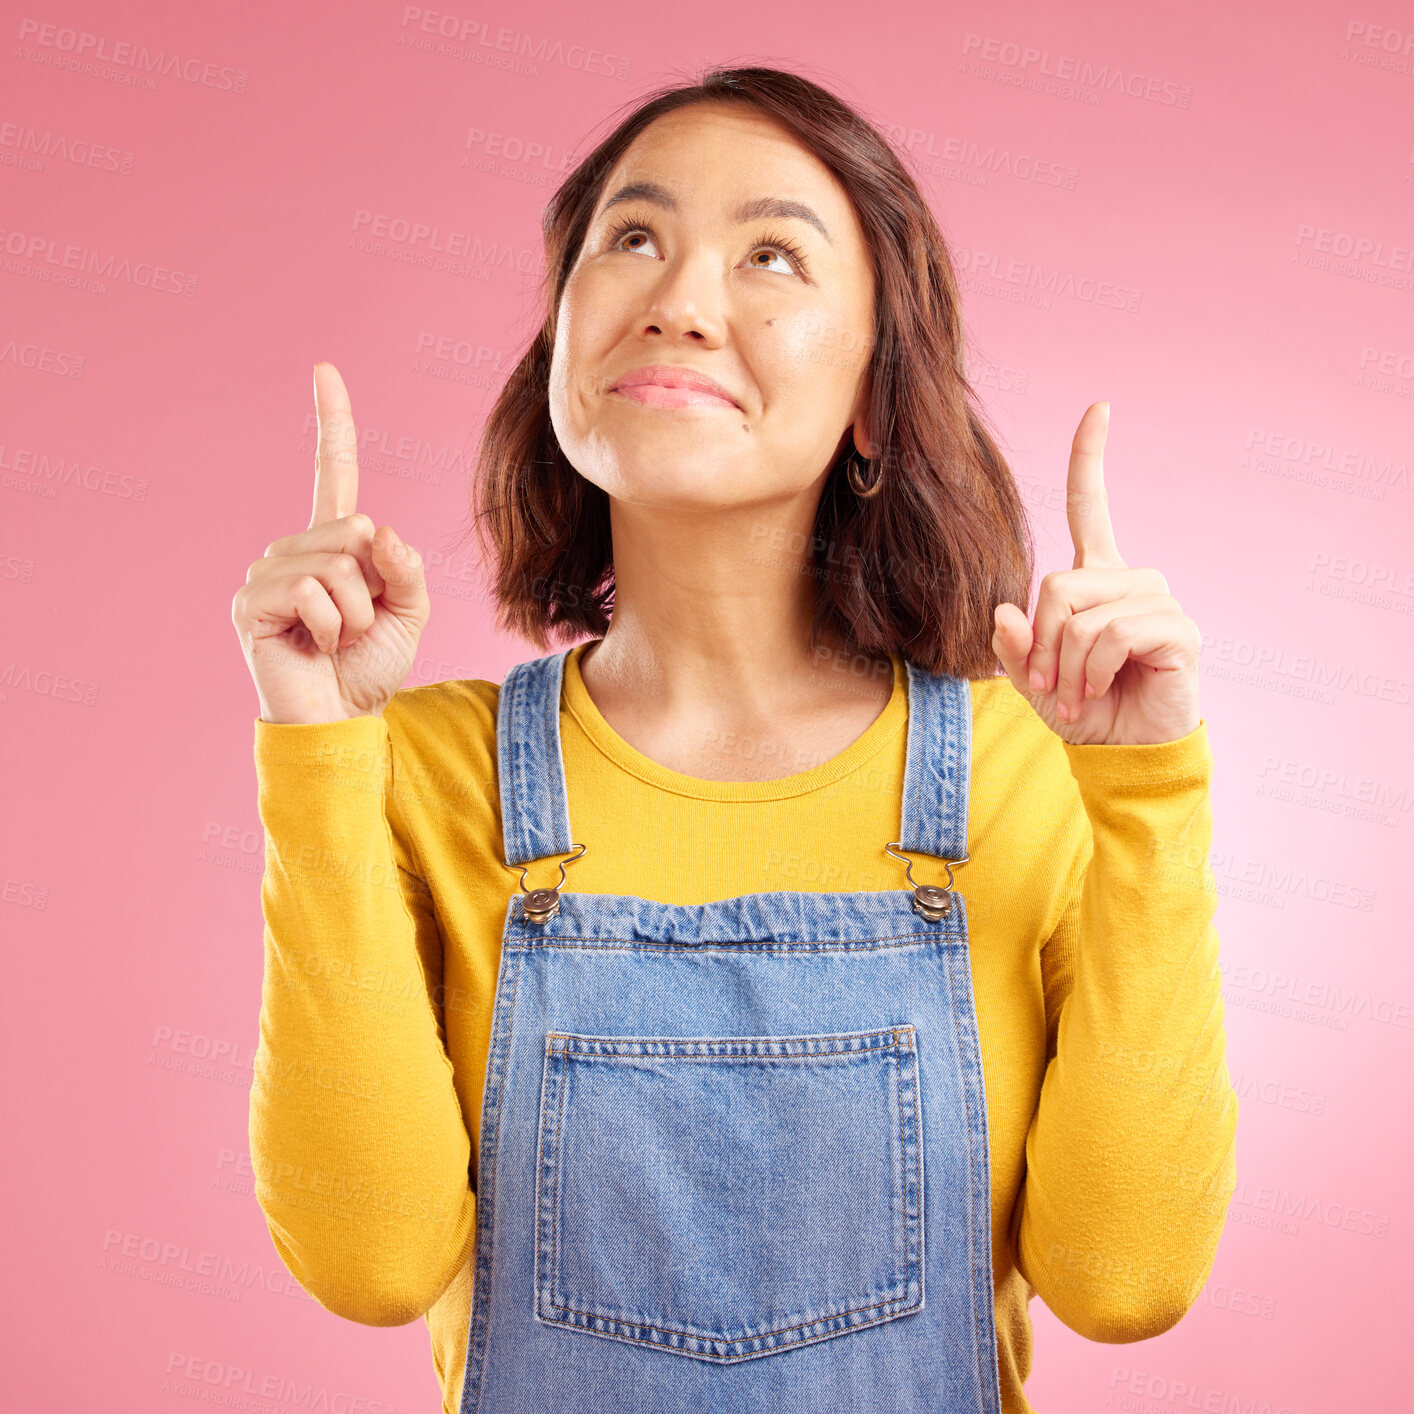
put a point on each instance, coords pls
(336, 456)
(1086, 505)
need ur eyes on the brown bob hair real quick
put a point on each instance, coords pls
(916, 568)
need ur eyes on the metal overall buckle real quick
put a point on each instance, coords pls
(932, 901)
(541, 905)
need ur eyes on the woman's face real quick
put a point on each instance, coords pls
(677, 270)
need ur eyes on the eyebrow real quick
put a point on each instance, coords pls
(762, 206)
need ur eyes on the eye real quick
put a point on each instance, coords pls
(771, 241)
(624, 228)
(795, 257)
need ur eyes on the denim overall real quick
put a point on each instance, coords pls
(733, 1155)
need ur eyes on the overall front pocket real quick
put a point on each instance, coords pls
(729, 1198)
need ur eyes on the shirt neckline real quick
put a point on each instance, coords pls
(882, 730)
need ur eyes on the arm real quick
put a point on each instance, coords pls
(1130, 1155)
(357, 1139)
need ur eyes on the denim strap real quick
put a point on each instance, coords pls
(535, 803)
(935, 777)
(535, 816)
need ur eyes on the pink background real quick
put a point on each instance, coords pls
(1251, 198)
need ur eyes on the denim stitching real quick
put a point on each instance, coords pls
(949, 933)
(547, 1155)
(555, 1231)
(986, 1355)
(886, 1314)
(912, 824)
(899, 1301)
(971, 1187)
(618, 1043)
(528, 945)
(759, 1061)
(918, 1190)
(494, 1085)
(902, 1243)
(548, 1096)
(963, 716)
(891, 1050)
(550, 704)
(505, 767)
(922, 1184)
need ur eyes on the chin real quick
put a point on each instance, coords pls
(676, 479)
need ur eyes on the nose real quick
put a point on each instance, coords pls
(687, 300)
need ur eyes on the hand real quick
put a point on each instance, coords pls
(329, 619)
(1111, 660)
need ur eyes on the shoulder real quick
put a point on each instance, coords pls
(1002, 718)
(1017, 757)
(443, 737)
(467, 705)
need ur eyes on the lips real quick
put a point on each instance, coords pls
(672, 385)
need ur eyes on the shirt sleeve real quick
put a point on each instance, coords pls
(358, 1145)
(1130, 1156)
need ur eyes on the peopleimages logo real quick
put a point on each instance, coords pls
(1333, 790)
(55, 470)
(451, 252)
(1378, 46)
(474, 41)
(211, 1381)
(1023, 281)
(987, 158)
(63, 48)
(1065, 69)
(169, 1263)
(1299, 457)
(41, 359)
(1269, 665)
(23, 146)
(30, 253)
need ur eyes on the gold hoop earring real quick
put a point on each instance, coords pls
(863, 492)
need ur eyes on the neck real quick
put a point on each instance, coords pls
(712, 613)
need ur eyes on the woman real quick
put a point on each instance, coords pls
(752, 1006)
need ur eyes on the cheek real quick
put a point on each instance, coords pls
(586, 332)
(561, 366)
(568, 369)
(573, 360)
(812, 358)
(593, 297)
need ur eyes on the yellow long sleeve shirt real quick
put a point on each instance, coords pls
(1090, 903)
